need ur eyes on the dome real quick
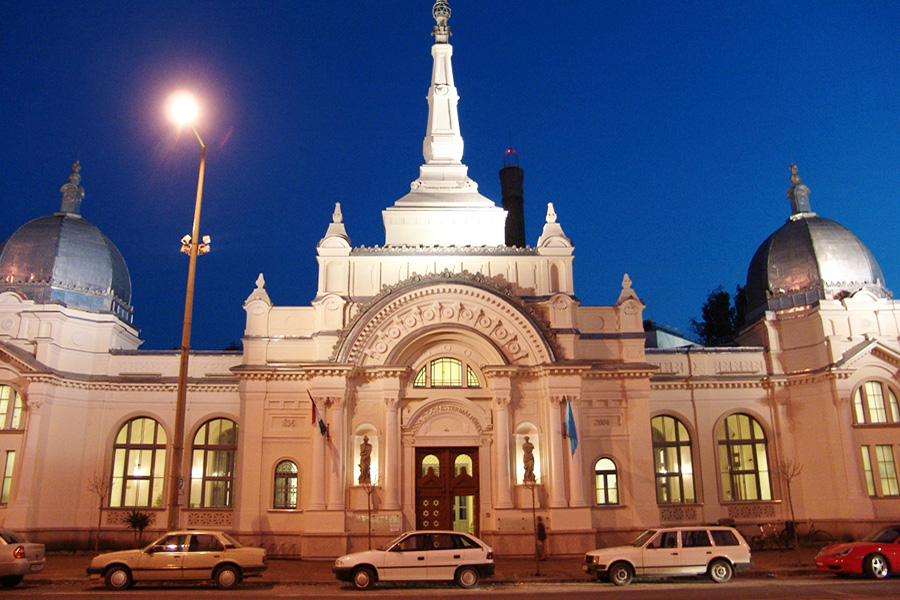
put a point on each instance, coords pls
(66, 259)
(808, 259)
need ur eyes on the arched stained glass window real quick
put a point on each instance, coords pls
(431, 462)
(212, 467)
(606, 481)
(139, 464)
(463, 461)
(446, 372)
(743, 460)
(285, 485)
(672, 461)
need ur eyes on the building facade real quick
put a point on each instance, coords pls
(448, 379)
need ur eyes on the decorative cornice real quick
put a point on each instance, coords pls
(443, 251)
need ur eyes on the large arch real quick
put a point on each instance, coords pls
(385, 326)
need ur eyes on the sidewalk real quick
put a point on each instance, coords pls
(70, 568)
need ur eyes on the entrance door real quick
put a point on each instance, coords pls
(447, 489)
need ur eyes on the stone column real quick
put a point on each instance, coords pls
(502, 481)
(20, 510)
(576, 463)
(391, 454)
(317, 477)
(557, 462)
(336, 452)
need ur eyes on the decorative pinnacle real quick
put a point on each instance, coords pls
(798, 193)
(72, 193)
(441, 13)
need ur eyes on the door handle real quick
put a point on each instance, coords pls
(421, 558)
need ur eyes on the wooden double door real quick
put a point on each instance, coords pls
(447, 489)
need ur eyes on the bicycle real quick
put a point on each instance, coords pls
(812, 537)
(770, 538)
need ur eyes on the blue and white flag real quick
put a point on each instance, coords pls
(570, 427)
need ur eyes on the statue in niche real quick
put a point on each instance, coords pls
(528, 460)
(365, 461)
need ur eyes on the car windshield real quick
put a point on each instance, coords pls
(11, 538)
(231, 541)
(886, 535)
(643, 538)
(393, 542)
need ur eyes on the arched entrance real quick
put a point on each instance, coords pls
(447, 489)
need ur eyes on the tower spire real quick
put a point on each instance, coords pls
(443, 206)
(72, 193)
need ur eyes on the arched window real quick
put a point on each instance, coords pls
(285, 485)
(433, 463)
(672, 461)
(11, 408)
(875, 403)
(139, 464)
(212, 467)
(743, 459)
(446, 372)
(606, 481)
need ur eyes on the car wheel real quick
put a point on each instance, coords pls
(467, 577)
(118, 578)
(876, 566)
(720, 571)
(10, 581)
(227, 577)
(621, 573)
(363, 578)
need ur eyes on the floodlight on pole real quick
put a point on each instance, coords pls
(182, 109)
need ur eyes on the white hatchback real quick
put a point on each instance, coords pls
(420, 556)
(668, 552)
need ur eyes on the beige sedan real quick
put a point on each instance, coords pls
(182, 556)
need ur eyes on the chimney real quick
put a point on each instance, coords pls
(511, 179)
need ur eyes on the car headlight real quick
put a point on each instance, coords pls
(595, 560)
(844, 552)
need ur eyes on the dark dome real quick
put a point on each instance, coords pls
(66, 259)
(808, 259)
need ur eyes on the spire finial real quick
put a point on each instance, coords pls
(798, 193)
(441, 13)
(72, 193)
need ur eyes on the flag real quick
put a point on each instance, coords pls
(323, 429)
(570, 427)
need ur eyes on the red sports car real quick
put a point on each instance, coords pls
(875, 556)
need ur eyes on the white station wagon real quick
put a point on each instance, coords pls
(669, 552)
(420, 556)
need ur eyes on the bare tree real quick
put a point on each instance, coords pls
(98, 484)
(790, 469)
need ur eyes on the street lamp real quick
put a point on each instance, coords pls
(182, 109)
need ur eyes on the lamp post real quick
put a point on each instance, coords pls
(183, 110)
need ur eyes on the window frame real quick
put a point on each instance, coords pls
(216, 484)
(468, 376)
(606, 475)
(12, 417)
(286, 485)
(734, 448)
(660, 464)
(155, 477)
(870, 409)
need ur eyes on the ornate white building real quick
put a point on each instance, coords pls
(448, 380)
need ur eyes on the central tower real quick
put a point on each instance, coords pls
(443, 207)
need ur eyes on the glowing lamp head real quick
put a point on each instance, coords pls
(182, 108)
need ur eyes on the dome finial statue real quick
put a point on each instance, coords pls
(441, 13)
(72, 193)
(798, 193)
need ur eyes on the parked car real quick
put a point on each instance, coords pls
(674, 551)
(420, 556)
(182, 556)
(876, 555)
(18, 557)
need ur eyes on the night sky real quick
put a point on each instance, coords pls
(663, 133)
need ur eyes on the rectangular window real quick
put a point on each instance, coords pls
(887, 470)
(7, 476)
(867, 467)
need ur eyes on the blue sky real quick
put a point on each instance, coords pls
(662, 132)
